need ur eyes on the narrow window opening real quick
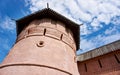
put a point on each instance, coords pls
(28, 31)
(116, 58)
(61, 36)
(85, 67)
(44, 31)
(100, 63)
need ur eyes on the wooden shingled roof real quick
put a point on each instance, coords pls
(49, 13)
(99, 51)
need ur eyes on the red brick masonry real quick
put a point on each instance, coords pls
(107, 64)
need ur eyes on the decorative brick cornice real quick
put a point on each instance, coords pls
(48, 32)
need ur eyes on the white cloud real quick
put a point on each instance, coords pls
(90, 6)
(7, 35)
(85, 29)
(112, 30)
(87, 44)
(116, 21)
(109, 35)
(111, 38)
(95, 23)
(99, 40)
(105, 18)
(4, 43)
(7, 24)
(112, 34)
(81, 11)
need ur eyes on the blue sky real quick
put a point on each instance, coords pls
(100, 19)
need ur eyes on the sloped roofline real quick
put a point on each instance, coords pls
(49, 13)
(111, 47)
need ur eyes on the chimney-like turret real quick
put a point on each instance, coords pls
(46, 44)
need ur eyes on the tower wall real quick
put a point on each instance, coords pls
(44, 47)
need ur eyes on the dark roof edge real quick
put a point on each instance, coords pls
(111, 47)
(43, 10)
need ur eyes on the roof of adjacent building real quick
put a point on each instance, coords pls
(49, 13)
(99, 51)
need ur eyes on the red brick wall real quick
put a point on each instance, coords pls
(108, 64)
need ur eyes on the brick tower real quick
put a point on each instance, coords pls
(46, 44)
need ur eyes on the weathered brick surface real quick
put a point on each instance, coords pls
(53, 33)
(68, 41)
(47, 23)
(32, 24)
(70, 34)
(36, 30)
(22, 35)
(61, 27)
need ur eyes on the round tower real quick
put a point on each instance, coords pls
(46, 45)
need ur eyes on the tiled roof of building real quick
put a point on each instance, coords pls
(99, 51)
(49, 13)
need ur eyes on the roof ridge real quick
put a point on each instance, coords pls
(113, 46)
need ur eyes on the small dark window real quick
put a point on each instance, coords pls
(116, 58)
(61, 36)
(100, 63)
(44, 31)
(85, 67)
